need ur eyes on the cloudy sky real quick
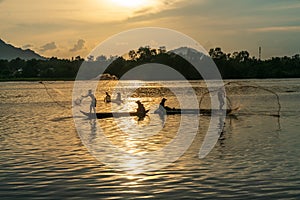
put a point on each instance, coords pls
(66, 28)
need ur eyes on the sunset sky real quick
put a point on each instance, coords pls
(66, 28)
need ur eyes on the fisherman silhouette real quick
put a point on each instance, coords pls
(93, 102)
(141, 111)
(221, 97)
(107, 98)
(118, 97)
(162, 107)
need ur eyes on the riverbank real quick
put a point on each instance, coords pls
(36, 79)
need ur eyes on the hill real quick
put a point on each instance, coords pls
(9, 52)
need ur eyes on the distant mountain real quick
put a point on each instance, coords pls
(9, 52)
(201, 61)
(190, 53)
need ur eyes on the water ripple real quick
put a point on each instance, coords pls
(42, 157)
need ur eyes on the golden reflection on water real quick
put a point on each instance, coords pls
(42, 154)
(137, 136)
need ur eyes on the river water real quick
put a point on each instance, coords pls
(42, 156)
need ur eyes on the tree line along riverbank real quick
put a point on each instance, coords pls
(236, 65)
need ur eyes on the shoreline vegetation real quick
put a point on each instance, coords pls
(236, 65)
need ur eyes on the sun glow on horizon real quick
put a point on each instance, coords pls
(131, 3)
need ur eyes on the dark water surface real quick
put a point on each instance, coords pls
(42, 156)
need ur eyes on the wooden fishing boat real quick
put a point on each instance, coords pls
(102, 115)
(176, 111)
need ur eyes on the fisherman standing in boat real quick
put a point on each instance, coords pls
(93, 102)
(107, 99)
(221, 97)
